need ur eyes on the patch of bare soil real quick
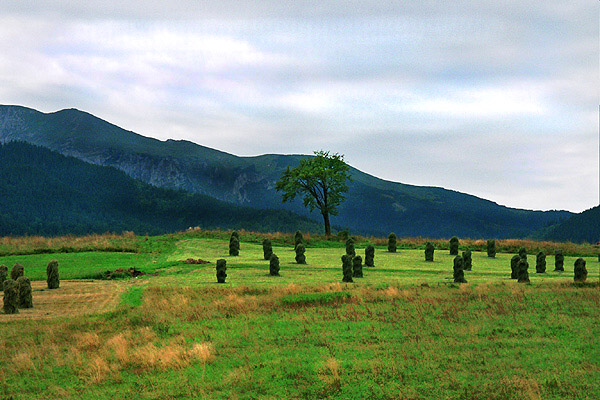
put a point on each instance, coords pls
(193, 261)
(72, 298)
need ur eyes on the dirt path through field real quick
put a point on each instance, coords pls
(72, 298)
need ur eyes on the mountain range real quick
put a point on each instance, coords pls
(373, 206)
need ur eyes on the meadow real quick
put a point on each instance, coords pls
(404, 331)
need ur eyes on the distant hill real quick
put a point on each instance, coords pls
(43, 192)
(373, 206)
(579, 228)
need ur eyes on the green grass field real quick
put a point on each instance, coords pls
(404, 331)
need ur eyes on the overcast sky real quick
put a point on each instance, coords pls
(494, 98)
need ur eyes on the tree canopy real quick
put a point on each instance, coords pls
(321, 180)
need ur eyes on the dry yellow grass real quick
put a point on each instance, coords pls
(72, 298)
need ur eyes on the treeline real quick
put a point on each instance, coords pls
(45, 193)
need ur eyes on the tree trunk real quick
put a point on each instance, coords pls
(327, 225)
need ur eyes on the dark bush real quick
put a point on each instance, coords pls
(514, 266)
(234, 246)
(357, 267)
(540, 262)
(559, 261)
(350, 247)
(17, 271)
(274, 265)
(523, 266)
(3, 276)
(392, 242)
(580, 270)
(300, 257)
(491, 248)
(298, 239)
(370, 256)
(454, 246)
(267, 249)
(467, 260)
(429, 249)
(523, 253)
(221, 270)
(11, 297)
(52, 277)
(25, 298)
(347, 268)
(459, 274)
(343, 235)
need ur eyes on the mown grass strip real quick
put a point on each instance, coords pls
(133, 296)
(303, 299)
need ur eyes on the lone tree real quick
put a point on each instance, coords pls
(321, 180)
(370, 256)
(580, 270)
(274, 265)
(52, 277)
(429, 249)
(392, 242)
(540, 262)
(221, 270)
(491, 248)
(453, 246)
(267, 249)
(347, 268)
(11, 297)
(559, 261)
(3, 275)
(300, 257)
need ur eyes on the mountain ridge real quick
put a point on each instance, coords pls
(373, 205)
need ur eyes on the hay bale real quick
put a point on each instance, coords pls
(459, 274)
(454, 246)
(392, 242)
(370, 256)
(347, 268)
(523, 267)
(234, 246)
(3, 276)
(580, 270)
(491, 248)
(357, 267)
(559, 261)
(221, 270)
(298, 239)
(540, 262)
(514, 266)
(267, 249)
(429, 249)
(274, 265)
(467, 260)
(52, 277)
(236, 235)
(11, 297)
(523, 253)
(350, 247)
(17, 271)
(300, 257)
(25, 298)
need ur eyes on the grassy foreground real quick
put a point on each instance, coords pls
(404, 331)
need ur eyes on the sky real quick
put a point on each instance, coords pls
(499, 99)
